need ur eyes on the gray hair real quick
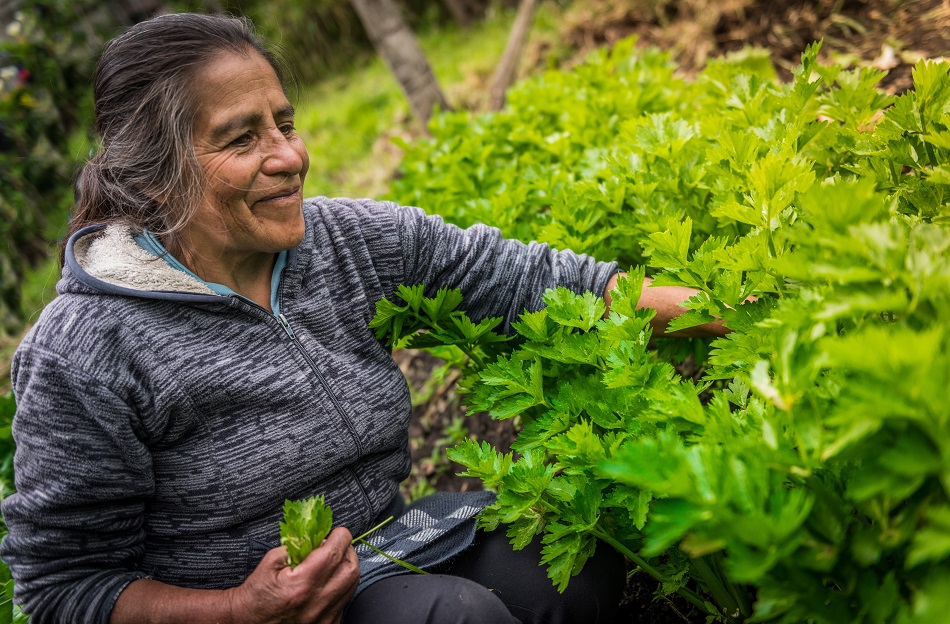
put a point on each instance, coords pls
(145, 172)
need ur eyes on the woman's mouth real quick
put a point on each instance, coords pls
(291, 194)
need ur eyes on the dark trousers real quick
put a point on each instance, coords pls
(490, 583)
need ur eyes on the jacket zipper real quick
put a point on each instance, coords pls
(282, 320)
(323, 381)
(285, 325)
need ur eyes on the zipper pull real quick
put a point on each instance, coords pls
(286, 325)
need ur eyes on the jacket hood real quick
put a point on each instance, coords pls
(106, 259)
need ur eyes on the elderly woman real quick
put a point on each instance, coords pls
(208, 357)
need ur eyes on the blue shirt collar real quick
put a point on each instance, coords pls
(150, 243)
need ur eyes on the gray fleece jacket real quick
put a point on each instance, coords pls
(161, 426)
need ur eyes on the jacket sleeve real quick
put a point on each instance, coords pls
(497, 276)
(82, 477)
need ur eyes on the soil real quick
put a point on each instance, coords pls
(888, 34)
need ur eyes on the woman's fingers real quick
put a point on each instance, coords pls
(316, 591)
(330, 573)
(275, 559)
(347, 575)
(331, 554)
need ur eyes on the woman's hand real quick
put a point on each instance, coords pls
(316, 591)
(667, 300)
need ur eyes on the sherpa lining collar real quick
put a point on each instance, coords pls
(112, 256)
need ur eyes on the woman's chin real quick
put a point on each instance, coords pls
(293, 236)
(282, 233)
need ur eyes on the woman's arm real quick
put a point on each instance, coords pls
(666, 301)
(82, 476)
(76, 534)
(497, 276)
(317, 590)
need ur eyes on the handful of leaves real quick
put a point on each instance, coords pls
(307, 523)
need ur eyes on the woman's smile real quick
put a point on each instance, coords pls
(290, 196)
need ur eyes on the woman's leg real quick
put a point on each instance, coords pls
(522, 584)
(427, 599)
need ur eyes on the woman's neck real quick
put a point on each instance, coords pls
(247, 274)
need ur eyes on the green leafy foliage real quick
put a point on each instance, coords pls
(440, 320)
(7, 447)
(306, 524)
(8, 611)
(803, 474)
(46, 63)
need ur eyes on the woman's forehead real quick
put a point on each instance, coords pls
(234, 89)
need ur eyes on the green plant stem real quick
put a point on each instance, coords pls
(895, 176)
(604, 536)
(373, 530)
(472, 355)
(688, 594)
(726, 594)
(931, 155)
(404, 564)
(362, 539)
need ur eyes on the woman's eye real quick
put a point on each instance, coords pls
(242, 141)
(287, 128)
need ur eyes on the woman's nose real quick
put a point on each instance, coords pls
(281, 155)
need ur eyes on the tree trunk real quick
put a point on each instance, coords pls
(459, 11)
(394, 41)
(508, 66)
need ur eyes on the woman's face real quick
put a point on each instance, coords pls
(254, 163)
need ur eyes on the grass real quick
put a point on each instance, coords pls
(347, 120)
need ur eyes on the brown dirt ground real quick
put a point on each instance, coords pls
(888, 34)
